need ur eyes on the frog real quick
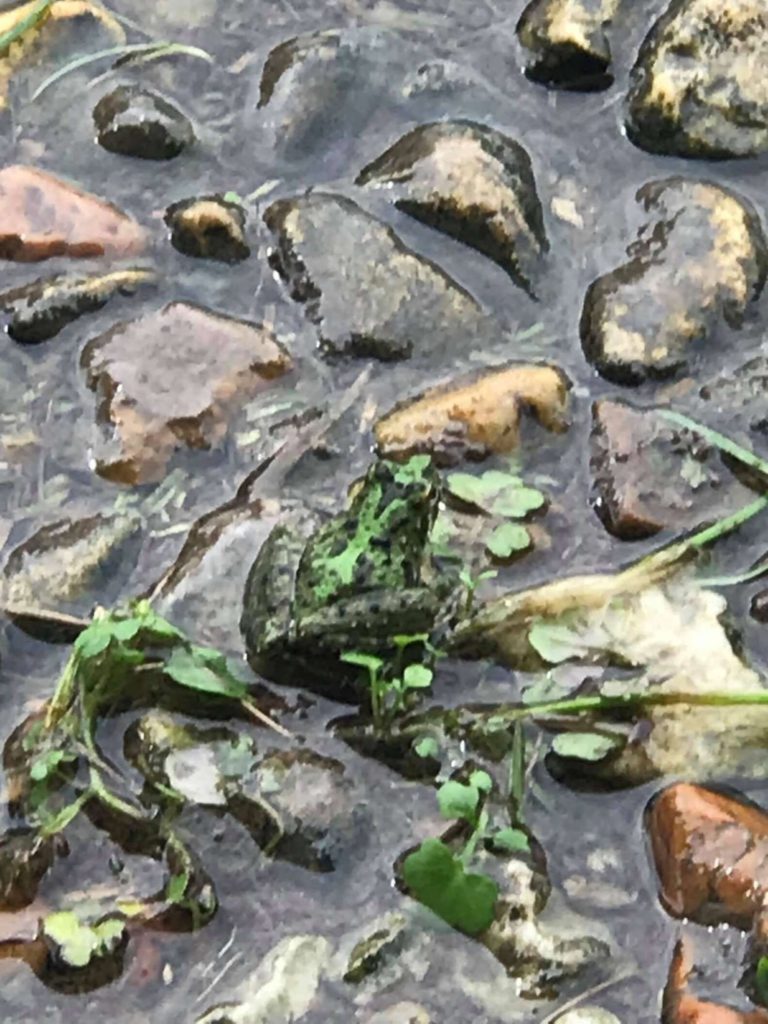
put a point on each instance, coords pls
(360, 578)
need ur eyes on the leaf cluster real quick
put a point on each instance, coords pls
(440, 878)
(503, 496)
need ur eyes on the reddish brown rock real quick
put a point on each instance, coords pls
(711, 855)
(680, 1006)
(649, 474)
(472, 419)
(172, 379)
(42, 216)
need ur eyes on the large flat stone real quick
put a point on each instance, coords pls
(172, 379)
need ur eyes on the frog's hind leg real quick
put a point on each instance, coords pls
(266, 621)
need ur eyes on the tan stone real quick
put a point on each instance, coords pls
(478, 418)
(43, 216)
(172, 379)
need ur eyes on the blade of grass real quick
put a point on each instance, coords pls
(158, 49)
(34, 17)
(741, 454)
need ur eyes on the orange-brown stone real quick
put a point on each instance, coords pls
(680, 1006)
(42, 216)
(711, 855)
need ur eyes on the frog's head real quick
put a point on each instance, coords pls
(407, 494)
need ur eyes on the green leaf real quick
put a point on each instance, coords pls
(511, 840)
(556, 641)
(47, 763)
(189, 670)
(501, 494)
(439, 880)
(586, 746)
(517, 502)
(233, 197)
(177, 887)
(427, 746)
(77, 943)
(95, 639)
(369, 661)
(481, 781)
(545, 688)
(417, 677)
(761, 980)
(507, 539)
(458, 801)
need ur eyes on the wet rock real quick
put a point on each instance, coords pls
(200, 765)
(473, 183)
(696, 89)
(711, 855)
(24, 859)
(321, 86)
(38, 311)
(567, 42)
(540, 955)
(282, 988)
(68, 28)
(66, 566)
(368, 294)
(477, 418)
(680, 1006)
(43, 216)
(698, 263)
(301, 807)
(136, 122)
(648, 474)
(758, 607)
(741, 394)
(202, 367)
(382, 939)
(210, 228)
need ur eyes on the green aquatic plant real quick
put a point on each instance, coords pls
(390, 682)
(440, 877)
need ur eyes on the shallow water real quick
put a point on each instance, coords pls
(579, 153)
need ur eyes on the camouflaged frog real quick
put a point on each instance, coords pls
(355, 583)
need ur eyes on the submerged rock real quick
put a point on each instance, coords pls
(25, 857)
(67, 566)
(136, 122)
(367, 293)
(681, 1006)
(202, 367)
(209, 227)
(43, 216)
(400, 1013)
(79, 25)
(38, 311)
(567, 42)
(698, 263)
(301, 807)
(477, 418)
(698, 88)
(711, 855)
(473, 183)
(649, 474)
(320, 86)
(538, 954)
(282, 988)
(588, 1015)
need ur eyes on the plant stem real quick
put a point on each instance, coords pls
(598, 702)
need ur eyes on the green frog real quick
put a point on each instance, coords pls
(360, 579)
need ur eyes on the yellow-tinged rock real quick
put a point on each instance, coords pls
(478, 417)
(30, 46)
